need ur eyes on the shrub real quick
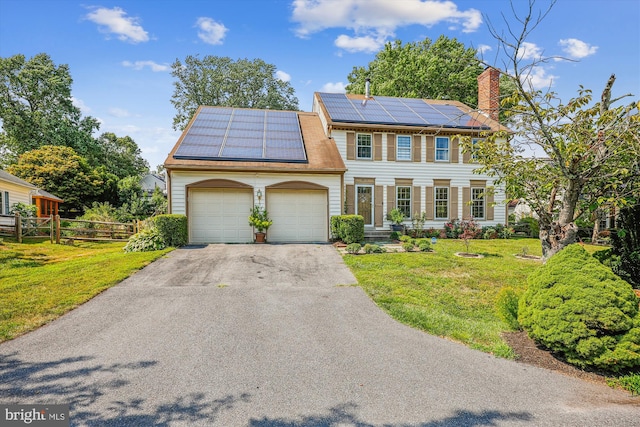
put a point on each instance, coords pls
(373, 249)
(424, 246)
(394, 235)
(533, 226)
(432, 232)
(626, 246)
(146, 240)
(507, 307)
(172, 229)
(407, 246)
(489, 233)
(407, 239)
(348, 228)
(452, 229)
(577, 307)
(353, 248)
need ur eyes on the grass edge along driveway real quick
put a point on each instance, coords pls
(446, 295)
(40, 281)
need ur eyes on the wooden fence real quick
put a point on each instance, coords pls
(58, 229)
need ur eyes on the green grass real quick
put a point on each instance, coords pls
(40, 281)
(628, 382)
(446, 295)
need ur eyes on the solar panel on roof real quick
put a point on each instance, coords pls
(223, 133)
(400, 111)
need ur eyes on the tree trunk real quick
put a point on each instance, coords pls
(555, 237)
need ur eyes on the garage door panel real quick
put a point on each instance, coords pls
(298, 215)
(220, 215)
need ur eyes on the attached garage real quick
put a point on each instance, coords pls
(299, 215)
(228, 160)
(219, 215)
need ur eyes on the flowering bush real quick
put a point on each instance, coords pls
(259, 219)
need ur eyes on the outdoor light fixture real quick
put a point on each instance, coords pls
(259, 194)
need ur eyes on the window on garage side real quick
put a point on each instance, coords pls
(442, 202)
(363, 146)
(403, 200)
(442, 149)
(403, 147)
(477, 202)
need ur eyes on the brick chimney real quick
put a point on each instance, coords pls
(489, 92)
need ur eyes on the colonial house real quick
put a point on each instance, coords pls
(405, 153)
(14, 190)
(360, 154)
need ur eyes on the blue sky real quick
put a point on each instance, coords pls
(120, 53)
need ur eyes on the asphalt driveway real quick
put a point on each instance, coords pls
(274, 335)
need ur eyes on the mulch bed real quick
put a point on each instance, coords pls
(528, 352)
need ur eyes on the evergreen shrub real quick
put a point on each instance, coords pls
(172, 229)
(580, 309)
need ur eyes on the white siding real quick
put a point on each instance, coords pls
(422, 174)
(17, 194)
(259, 181)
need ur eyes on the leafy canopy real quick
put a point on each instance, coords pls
(444, 69)
(221, 81)
(586, 154)
(36, 107)
(60, 171)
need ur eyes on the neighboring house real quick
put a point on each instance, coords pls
(404, 153)
(229, 159)
(151, 181)
(353, 154)
(14, 190)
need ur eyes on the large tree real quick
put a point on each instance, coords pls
(60, 171)
(444, 69)
(221, 81)
(120, 156)
(36, 107)
(587, 153)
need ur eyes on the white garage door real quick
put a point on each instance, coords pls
(298, 215)
(220, 215)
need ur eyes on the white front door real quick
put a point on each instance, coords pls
(364, 203)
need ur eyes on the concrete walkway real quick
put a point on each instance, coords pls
(273, 335)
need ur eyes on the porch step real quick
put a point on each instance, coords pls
(377, 235)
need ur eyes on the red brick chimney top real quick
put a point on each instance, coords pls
(489, 92)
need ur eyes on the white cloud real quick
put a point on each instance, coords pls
(539, 79)
(366, 44)
(211, 32)
(139, 65)
(281, 75)
(84, 108)
(483, 48)
(115, 21)
(338, 87)
(376, 20)
(529, 51)
(118, 112)
(577, 49)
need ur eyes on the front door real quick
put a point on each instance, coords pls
(364, 203)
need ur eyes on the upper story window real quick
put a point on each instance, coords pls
(477, 203)
(442, 202)
(442, 149)
(403, 147)
(364, 149)
(474, 149)
(403, 200)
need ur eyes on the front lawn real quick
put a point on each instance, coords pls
(40, 281)
(446, 295)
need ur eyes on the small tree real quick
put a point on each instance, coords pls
(591, 150)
